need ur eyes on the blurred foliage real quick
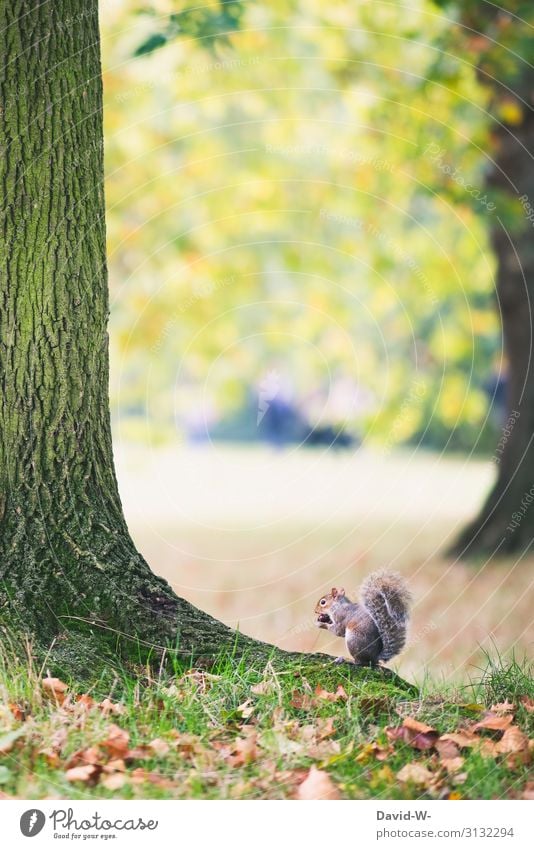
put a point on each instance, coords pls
(298, 187)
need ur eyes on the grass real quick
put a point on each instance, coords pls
(237, 731)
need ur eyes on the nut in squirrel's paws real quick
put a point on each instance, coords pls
(323, 620)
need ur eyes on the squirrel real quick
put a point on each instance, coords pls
(375, 629)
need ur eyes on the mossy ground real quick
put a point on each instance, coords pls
(247, 730)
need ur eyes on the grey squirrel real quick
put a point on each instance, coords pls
(375, 629)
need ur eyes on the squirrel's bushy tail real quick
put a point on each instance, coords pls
(386, 597)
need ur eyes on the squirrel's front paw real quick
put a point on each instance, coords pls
(340, 660)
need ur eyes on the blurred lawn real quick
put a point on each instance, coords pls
(254, 537)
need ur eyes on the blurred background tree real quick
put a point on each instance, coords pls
(300, 205)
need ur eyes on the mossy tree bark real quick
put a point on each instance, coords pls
(70, 575)
(67, 562)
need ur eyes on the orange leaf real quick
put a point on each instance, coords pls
(415, 725)
(116, 742)
(56, 688)
(492, 722)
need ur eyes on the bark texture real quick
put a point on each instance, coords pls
(505, 524)
(67, 562)
(70, 575)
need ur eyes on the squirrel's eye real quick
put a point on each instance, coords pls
(322, 602)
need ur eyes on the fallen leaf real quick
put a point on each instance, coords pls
(56, 688)
(453, 764)
(116, 743)
(111, 708)
(325, 727)
(463, 739)
(317, 785)
(340, 693)
(116, 765)
(244, 750)
(527, 703)
(415, 725)
(92, 756)
(493, 722)
(414, 733)
(513, 740)
(454, 796)
(416, 773)
(18, 712)
(159, 747)
(114, 781)
(447, 749)
(528, 791)
(82, 773)
(301, 701)
(84, 702)
(503, 707)
(487, 748)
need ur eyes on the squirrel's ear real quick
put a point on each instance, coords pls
(341, 592)
(334, 592)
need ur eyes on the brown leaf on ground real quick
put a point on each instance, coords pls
(18, 712)
(114, 781)
(493, 722)
(87, 773)
(159, 747)
(452, 764)
(325, 727)
(528, 703)
(463, 739)
(512, 741)
(447, 749)
(83, 757)
(417, 773)
(141, 776)
(414, 733)
(110, 708)
(503, 707)
(487, 748)
(528, 790)
(244, 750)
(116, 743)
(301, 701)
(340, 693)
(56, 688)
(317, 785)
(116, 765)
(415, 725)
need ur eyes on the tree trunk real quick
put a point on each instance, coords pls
(70, 576)
(505, 524)
(67, 562)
